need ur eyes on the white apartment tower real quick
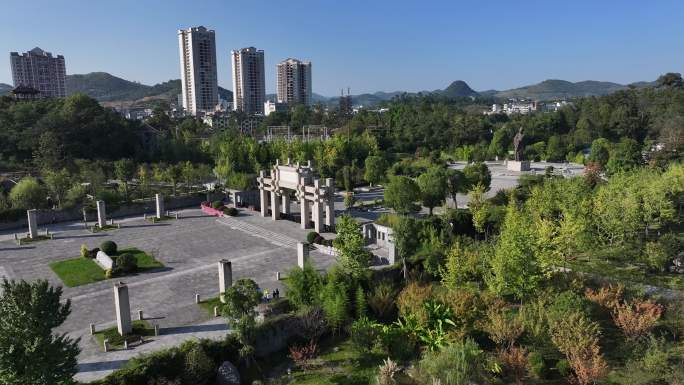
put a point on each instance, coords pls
(40, 70)
(197, 47)
(294, 82)
(249, 81)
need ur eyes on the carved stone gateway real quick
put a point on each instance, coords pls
(274, 191)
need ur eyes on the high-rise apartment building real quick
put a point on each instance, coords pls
(197, 47)
(294, 82)
(40, 70)
(249, 80)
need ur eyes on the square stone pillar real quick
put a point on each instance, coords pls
(330, 203)
(160, 205)
(285, 207)
(225, 270)
(101, 214)
(392, 251)
(304, 211)
(275, 206)
(32, 223)
(123, 309)
(318, 216)
(302, 253)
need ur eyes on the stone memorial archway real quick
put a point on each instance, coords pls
(274, 192)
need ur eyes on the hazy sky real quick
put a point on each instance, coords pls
(366, 45)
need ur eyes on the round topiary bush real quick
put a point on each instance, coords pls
(311, 237)
(108, 247)
(216, 204)
(232, 211)
(85, 253)
(319, 240)
(126, 263)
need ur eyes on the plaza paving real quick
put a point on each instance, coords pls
(189, 248)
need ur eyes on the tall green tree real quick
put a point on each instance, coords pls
(478, 173)
(375, 167)
(124, 169)
(401, 193)
(28, 194)
(30, 353)
(433, 187)
(515, 267)
(456, 183)
(352, 257)
(58, 183)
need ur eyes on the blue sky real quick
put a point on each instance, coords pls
(366, 45)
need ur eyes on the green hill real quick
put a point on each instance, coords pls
(5, 88)
(457, 89)
(561, 89)
(108, 88)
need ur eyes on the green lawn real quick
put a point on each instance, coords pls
(208, 305)
(82, 271)
(140, 328)
(144, 260)
(78, 271)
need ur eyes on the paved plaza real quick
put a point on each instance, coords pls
(189, 248)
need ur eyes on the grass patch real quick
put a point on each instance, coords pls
(38, 238)
(339, 363)
(140, 328)
(154, 219)
(142, 259)
(626, 272)
(97, 229)
(208, 305)
(78, 271)
(82, 271)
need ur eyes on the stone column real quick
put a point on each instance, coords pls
(101, 214)
(160, 205)
(263, 196)
(285, 207)
(392, 251)
(275, 206)
(330, 203)
(123, 309)
(225, 270)
(304, 211)
(302, 253)
(32, 223)
(317, 207)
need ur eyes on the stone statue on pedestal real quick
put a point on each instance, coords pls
(518, 145)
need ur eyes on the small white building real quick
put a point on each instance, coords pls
(270, 107)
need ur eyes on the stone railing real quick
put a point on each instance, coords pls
(129, 209)
(104, 260)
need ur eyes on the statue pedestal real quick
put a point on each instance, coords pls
(518, 165)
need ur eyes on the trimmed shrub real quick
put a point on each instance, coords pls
(85, 253)
(93, 253)
(319, 240)
(126, 263)
(108, 247)
(563, 367)
(536, 365)
(311, 237)
(217, 204)
(198, 367)
(231, 211)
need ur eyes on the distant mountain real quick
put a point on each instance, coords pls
(114, 90)
(5, 88)
(561, 89)
(457, 89)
